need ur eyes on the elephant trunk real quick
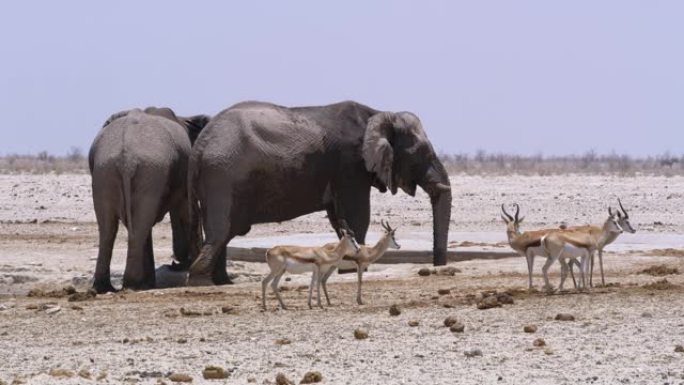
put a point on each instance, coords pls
(438, 187)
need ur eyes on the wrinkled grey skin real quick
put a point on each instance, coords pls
(258, 162)
(138, 162)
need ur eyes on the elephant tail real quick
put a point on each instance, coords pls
(127, 179)
(194, 208)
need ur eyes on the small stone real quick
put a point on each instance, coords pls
(227, 309)
(473, 353)
(530, 328)
(539, 342)
(450, 320)
(179, 377)
(251, 380)
(311, 377)
(282, 380)
(282, 341)
(443, 291)
(646, 315)
(565, 317)
(413, 323)
(102, 375)
(360, 334)
(424, 272)
(457, 328)
(182, 341)
(548, 351)
(189, 313)
(53, 310)
(214, 373)
(62, 373)
(488, 303)
(394, 310)
(679, 349)
(84, 373)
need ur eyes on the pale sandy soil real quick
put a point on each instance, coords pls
(622, 334)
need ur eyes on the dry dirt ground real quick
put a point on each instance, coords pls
(624, 333)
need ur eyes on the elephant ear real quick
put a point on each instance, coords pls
(392, 144)
(194, 125)
(116, 116)
(377, 150)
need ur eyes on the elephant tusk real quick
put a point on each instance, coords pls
(442, 187)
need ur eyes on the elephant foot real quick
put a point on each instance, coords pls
(104, 287)
(179, 266)
(198, 280)
(138, 285)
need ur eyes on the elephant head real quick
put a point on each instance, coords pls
(194, 125)
(397, 151)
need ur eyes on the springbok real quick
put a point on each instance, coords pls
(569, 244)
(300, 259)
(527, 243)
(623, 220)
(364, 258)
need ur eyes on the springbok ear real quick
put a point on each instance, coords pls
(377, 151)
(521, 220)
(504, 219)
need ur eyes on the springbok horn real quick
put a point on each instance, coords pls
(517, 211)
(623, 209)
(383, 224)
(510, 218)
(610, 211)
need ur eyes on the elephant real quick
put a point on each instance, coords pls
(138, 163)
(258, 162)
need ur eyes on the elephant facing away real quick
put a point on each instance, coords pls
(258, 162)
(138, 163)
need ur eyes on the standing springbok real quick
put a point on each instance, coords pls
(364, 258)
(623, 220)
(569, 244)
(527, 243)
(299, 259)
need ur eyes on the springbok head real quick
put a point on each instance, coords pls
(611, 224)
(389, 232)
(512, 222)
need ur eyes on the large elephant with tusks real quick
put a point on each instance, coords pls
(258, 162)
(138, 162)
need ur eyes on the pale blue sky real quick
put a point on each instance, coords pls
(504, 76)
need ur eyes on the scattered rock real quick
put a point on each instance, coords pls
(282, 341)
(679, 349)
(424, 272)
(84, 296)
(448, 271)
(663, 284)
(102, 375)
(443, 291)
(659, 270)
(61, 373)
(530, 328)
(189, 313)
(179, 377)
(548, 351)
(646, 315)
(564, 317)
(311, 377)
(182, 341)
(413, 323)
(394, 310)
(473, 353)
(504, 298)
(457, 328)
(539, 342)
(488, 303)
(360, 334)
(76, 307)
(450, 320)
(282, 380)
(214, 373)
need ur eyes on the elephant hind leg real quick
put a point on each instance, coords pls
(211, 261)
(139, 272)
(108, 225)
